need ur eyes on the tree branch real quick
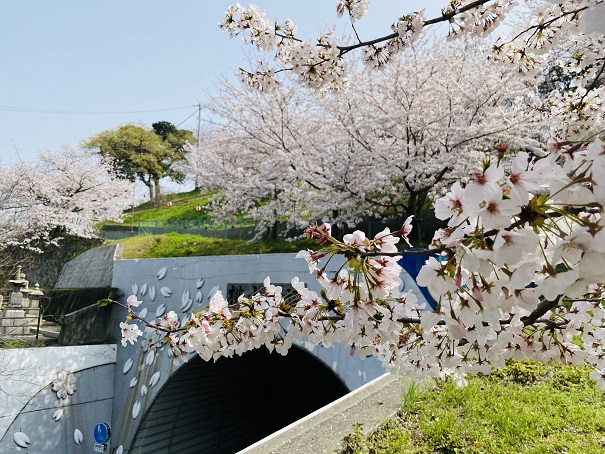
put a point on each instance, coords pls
(443, 18)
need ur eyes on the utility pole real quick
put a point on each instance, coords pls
(199, 125)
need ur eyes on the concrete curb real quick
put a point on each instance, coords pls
(323, 430)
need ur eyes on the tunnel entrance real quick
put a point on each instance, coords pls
(223, 407)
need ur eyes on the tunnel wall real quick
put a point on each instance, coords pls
(170, 284)
(29, 405)
(223, 407)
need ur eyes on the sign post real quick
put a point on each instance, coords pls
(102, 433)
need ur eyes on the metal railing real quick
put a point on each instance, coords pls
(191, 227)
(239, 231)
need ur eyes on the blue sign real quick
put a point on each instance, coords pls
(412, 264)
(102, 432)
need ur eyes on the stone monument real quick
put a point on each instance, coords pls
(22, 310)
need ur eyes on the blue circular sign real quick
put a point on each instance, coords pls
(102, 432)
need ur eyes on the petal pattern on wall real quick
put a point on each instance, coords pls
(127, 365)
(21, 440)
(160, 310)
(150, 358)
(57, 415)
(155, 378)
(136, 409)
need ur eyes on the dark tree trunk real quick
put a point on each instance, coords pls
(272, 232)
(158, 193)
(151, 191)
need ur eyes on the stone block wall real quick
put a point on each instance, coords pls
(19, 316)
(13, 323)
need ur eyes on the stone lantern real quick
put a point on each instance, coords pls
(15, 300)
(34, 307)
(34, 296)
(19, 311)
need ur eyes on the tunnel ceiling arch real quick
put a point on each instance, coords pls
(225, 406)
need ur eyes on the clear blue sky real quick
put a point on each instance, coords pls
(94, 57)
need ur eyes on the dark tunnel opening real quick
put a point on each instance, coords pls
(223, 407)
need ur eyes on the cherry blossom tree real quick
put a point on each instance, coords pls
(519, 270)
(66, 191)
(425, 120)
(253, 153)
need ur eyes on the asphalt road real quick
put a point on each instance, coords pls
(324, 430)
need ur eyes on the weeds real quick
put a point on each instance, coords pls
(526, 407)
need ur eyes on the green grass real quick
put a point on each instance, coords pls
(526, 408)
(23, 343)
(178, 245)
(183, 208)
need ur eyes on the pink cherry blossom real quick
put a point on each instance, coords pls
(130, 333)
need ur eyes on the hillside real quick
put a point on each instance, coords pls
(182, 215)
(183, 207)
(179, 245)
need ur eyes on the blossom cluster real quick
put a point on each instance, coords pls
(355, 8)
(524, 265)
(479, 20)
(406, 30)
(316, 64)
(320, 63)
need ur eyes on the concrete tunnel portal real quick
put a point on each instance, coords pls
(224, 406)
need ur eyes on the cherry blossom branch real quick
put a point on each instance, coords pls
(443, 18)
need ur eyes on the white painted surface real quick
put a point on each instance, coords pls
(25, 372)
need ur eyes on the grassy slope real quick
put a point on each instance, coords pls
(183, 207)
(177, 245)
(526, 408)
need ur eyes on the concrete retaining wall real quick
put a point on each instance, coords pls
(94, 268)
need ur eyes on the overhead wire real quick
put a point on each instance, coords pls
(196, 111)
(84, 112)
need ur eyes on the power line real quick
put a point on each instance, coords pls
(84, 112)
(187, 118)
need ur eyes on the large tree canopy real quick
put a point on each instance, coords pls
(426, 120)
(68, 190)
(144, 154)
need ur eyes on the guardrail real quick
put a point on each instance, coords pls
(240, 231)
(191, 227)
